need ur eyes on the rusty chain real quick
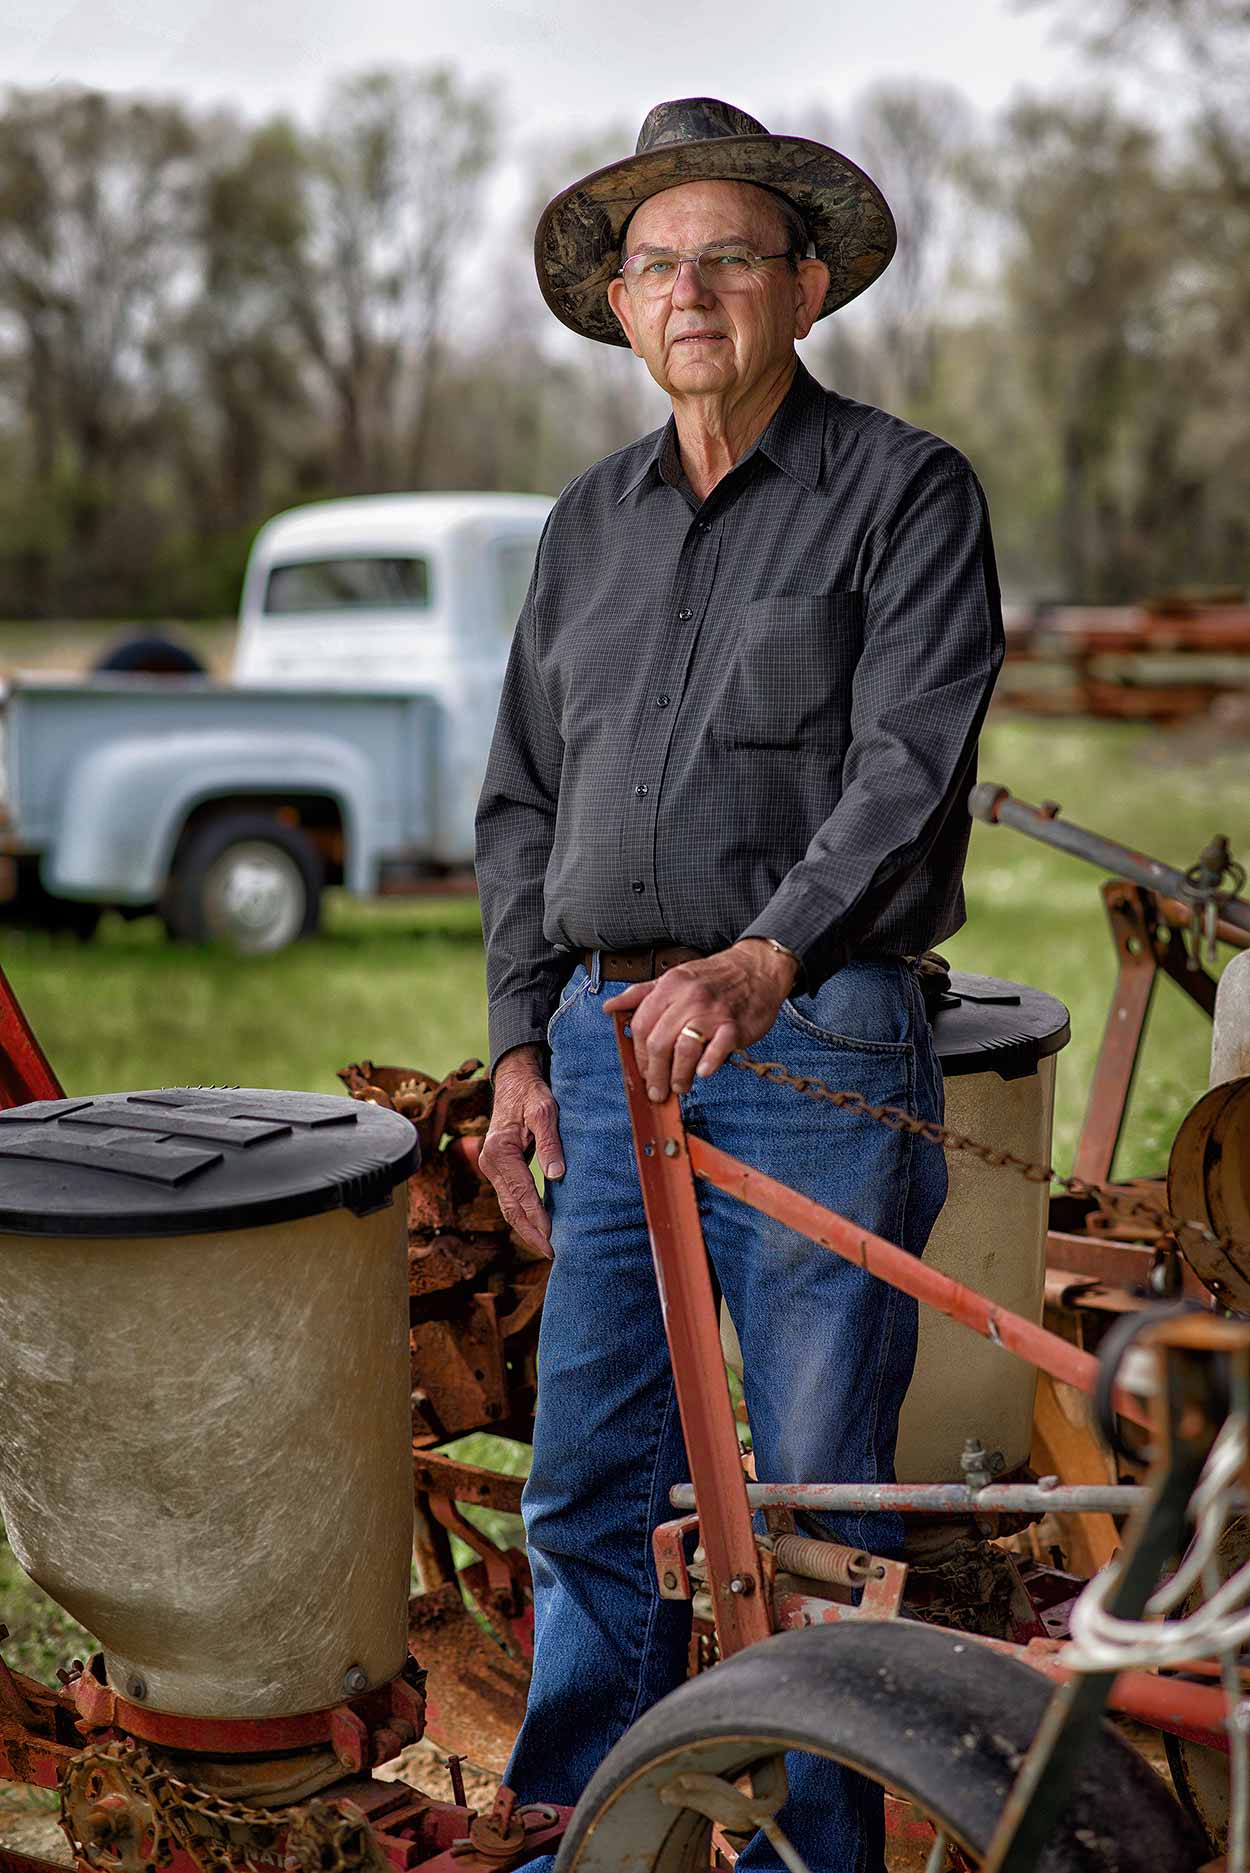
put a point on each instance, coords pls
(897, 1119)
(113, 1797)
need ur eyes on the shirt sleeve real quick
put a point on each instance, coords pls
(933, 644)
(516, 819)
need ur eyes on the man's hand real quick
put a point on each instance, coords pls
(524, 1118)
(731, 999)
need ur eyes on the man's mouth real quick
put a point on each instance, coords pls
(698, 338)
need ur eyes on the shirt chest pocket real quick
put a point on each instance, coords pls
(788, 675)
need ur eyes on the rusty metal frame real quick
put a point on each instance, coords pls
(669, 1161)
(24, 1070)
(735, 1574)
(1148, 943)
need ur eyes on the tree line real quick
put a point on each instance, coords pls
(204, 320)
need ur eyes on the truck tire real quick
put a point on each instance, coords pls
(150, 656)
(938, 1719)
(246, 881)
(33, 907)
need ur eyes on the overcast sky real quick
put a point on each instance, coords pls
(559, 64)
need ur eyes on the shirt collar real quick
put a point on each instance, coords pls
(793, 442)
(663, 441)
(795, 439)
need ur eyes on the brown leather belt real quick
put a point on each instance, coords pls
(643, 964)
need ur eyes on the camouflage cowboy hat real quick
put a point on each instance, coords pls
(577, 246)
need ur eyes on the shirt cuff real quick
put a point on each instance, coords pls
(519, 1021)
(791, 918)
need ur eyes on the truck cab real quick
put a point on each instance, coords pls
(348, 748)
(405, 592)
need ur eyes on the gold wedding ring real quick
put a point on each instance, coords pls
(694, 1034)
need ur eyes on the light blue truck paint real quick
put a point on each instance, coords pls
(382, 709)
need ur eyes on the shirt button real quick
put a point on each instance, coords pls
(642, 790)
(639, 886)
(662, 702)
(684, 616)
(705, 526)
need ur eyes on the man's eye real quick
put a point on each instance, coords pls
(729, 263)
(660, 263)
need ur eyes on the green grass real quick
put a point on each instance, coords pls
(1037, 916)
(402, 983)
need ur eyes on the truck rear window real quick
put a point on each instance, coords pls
(363, 583)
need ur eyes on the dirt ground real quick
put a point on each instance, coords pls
(28, 1823)
(28, 1820)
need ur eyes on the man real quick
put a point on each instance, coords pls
(726, 793)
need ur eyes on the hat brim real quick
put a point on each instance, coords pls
(577, 244)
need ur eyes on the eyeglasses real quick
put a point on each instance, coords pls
(724, 269)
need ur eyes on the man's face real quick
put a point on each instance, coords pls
(696, 341)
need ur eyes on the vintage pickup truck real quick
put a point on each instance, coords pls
(348, 748)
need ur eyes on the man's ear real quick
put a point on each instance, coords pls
(813, 284)
(623, 307)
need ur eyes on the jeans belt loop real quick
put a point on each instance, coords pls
(596, 971)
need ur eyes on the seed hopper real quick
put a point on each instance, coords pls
(216, 1432)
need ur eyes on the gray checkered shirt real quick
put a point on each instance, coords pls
(752, 717)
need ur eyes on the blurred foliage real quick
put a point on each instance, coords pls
(42, 1636)
(203, 320)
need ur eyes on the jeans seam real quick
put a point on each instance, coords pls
(649, 1523)
(887, 1338)
(846, 1042)
(563, 1006)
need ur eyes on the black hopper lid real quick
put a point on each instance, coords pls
(188, 1159)
(986, 1025)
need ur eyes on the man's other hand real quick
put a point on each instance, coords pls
(524, 1119)
(730, 999)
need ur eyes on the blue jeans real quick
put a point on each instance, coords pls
(828, 1354)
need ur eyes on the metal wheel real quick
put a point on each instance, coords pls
(941, 1722)
(1200, 1775)
(254, 897)
(245, 880)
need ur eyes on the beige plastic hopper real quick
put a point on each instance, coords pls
(206, 1456)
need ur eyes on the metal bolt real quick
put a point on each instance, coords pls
(137, 1688)
(670, 1579)
(670, 1147)
(743, 1584)
(648, 1151)
(356, 1680)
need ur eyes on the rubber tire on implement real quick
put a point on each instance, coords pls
(183, 907)
(941, 1720)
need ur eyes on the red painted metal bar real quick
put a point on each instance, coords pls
(24, 1070)
(1197, 1712)
(890, 1263)
(735, 1577)
(1132, 932)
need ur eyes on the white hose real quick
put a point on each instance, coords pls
(1219, 1626)
(1101, 1642)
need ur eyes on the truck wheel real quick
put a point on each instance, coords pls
(939, 1721)
(245, 880)
(34, 907)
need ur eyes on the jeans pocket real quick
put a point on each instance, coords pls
(864, 1007)
(575, 987)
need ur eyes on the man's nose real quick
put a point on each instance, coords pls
(690, 288)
